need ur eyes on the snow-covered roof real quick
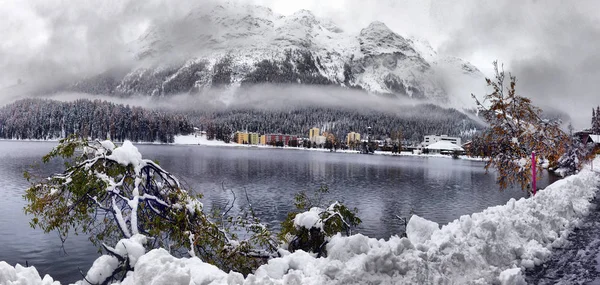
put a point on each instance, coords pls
(444, 145)
(595, 138)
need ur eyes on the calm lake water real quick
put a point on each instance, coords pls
(380, 187)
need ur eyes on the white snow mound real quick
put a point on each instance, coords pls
(512, 277)
(420, 230)
(20, 275)
(128, 154)
(159, 267)
(309, 219)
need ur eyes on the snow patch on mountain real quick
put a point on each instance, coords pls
(232, 44)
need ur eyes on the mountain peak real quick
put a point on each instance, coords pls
(377, 26)
(377, 38)
(304, 13)
(304, 17)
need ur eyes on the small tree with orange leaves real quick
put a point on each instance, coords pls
(516, 129)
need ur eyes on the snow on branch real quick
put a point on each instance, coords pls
(516, 129)
(137, 196)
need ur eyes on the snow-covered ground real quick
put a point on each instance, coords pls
(491, 247)
(578, 262)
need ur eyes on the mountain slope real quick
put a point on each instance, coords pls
(229, 46)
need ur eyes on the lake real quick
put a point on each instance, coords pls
(380, 187)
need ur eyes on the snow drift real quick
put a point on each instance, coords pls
(490, 247)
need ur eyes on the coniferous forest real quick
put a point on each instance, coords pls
(50, 119)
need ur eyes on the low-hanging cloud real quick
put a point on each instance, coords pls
(48, 42)
(260, 97)
(549, 45)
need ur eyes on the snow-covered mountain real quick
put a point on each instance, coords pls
(234, 45)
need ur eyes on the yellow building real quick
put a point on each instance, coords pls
(245, 138)
(253, 138)
(263, 140)
(313, 133)
(352, 137)
(240, 137)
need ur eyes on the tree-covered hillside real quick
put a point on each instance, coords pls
(50, 119)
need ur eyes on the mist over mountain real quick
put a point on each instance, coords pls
(239, 66)
(232, 47)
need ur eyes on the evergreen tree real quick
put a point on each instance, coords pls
(594, 120)
(576, 154)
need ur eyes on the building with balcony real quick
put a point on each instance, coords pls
(253, 137)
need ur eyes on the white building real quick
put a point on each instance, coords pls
(431, 139)
(444, 147)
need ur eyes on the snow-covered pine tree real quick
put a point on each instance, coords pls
(577, 153)
(596, 120)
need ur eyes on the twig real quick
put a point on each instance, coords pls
(232, 202)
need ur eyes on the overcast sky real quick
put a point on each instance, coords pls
(551, 46)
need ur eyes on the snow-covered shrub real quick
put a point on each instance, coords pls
(570, 162)
(111, 192)
(311, 227)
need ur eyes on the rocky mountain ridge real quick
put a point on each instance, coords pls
(230, 46)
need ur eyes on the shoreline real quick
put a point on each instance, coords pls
(190, 140)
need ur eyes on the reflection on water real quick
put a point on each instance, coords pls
(19, 242)
(380, 187)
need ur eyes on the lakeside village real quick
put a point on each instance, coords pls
(353, 141)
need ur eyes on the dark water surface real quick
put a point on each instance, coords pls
(380, 187)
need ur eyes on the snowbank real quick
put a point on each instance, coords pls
(490, 247)
(419, 230)
(20, 275)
